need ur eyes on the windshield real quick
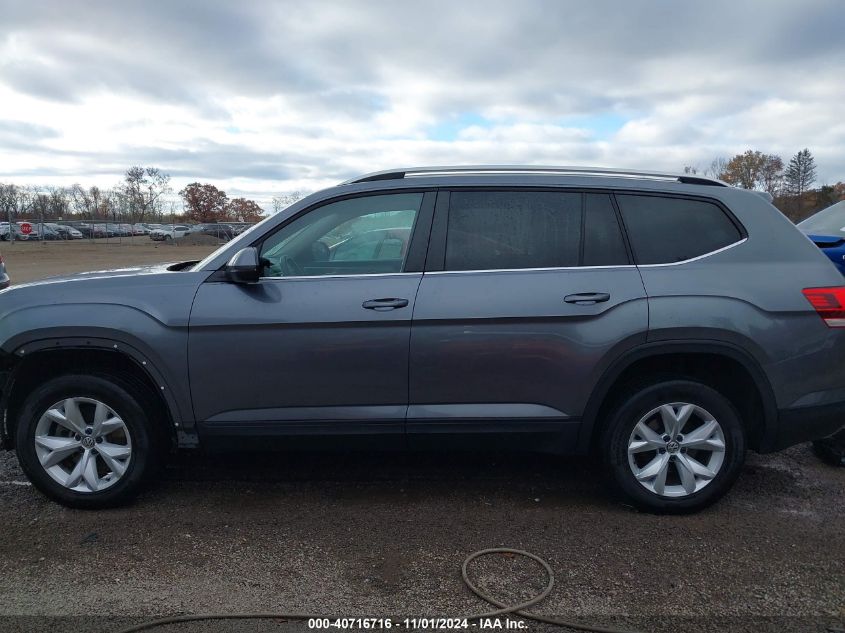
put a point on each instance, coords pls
(830, 221)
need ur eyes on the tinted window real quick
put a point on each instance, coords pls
(504, 230)
(361, 236)
(603, 242)
(664, 230)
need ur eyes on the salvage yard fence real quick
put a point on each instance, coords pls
(58, 232)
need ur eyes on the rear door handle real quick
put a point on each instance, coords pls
(587, 298)
(384, 304)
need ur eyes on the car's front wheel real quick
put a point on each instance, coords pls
(675, 446)
(85, 441)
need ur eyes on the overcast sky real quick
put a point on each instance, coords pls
(266, 97)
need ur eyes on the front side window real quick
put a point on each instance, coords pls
(359, 236)
(490, 230)
(663, 230)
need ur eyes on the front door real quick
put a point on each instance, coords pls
(320, 343)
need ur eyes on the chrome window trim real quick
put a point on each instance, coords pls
(693, 259)
(300, 277)
(524, 270)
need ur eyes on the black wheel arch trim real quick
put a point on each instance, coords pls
(183, 424)
(659, 348)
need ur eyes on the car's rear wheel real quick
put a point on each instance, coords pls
(85, 441)
(674, 446)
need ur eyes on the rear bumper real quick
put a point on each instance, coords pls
(804, 424)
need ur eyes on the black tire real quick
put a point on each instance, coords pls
(127, 400)
(831, 450)
(637, 403)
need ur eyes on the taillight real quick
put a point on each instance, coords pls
(829, 303)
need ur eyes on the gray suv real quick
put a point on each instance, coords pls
(665, 323)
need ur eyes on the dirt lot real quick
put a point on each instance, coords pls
(28, 261)
(385, 534)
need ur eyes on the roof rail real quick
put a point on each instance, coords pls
(410, 172)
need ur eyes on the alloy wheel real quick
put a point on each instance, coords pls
(83, 444)
(676, 449)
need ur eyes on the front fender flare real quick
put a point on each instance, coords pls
(180, 414)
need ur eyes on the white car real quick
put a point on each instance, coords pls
(169, 232)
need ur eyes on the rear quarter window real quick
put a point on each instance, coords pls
(664, 230)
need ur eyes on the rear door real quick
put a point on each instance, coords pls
(526, 296)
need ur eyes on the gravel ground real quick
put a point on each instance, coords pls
(385, 534)
(28, 261)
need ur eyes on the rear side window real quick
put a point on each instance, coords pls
(603, 241)
(663, 230)
(513, 229)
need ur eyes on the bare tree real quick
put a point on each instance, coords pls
(81, 201)
(40, 210)
(717, 168)
(770, 178)
(16, 203)
(144, 188)
(284, 200)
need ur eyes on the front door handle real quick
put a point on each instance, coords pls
(587, 298)
(384, 304)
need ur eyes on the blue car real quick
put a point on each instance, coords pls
(827, 229)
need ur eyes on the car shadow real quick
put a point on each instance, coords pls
(373, 475)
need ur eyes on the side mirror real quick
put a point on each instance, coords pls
(244, 268)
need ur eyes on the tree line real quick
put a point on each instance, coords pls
(144, 195)
(790, 184)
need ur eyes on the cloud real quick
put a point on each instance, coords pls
(267, 96)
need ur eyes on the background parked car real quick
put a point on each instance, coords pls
(91, 229)
(65, 232)
(15, 230)
(36, 230)
(115, 230)
(221, 231)
(827, 229)
(47, 232)
(42, 231)
(169, 232)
